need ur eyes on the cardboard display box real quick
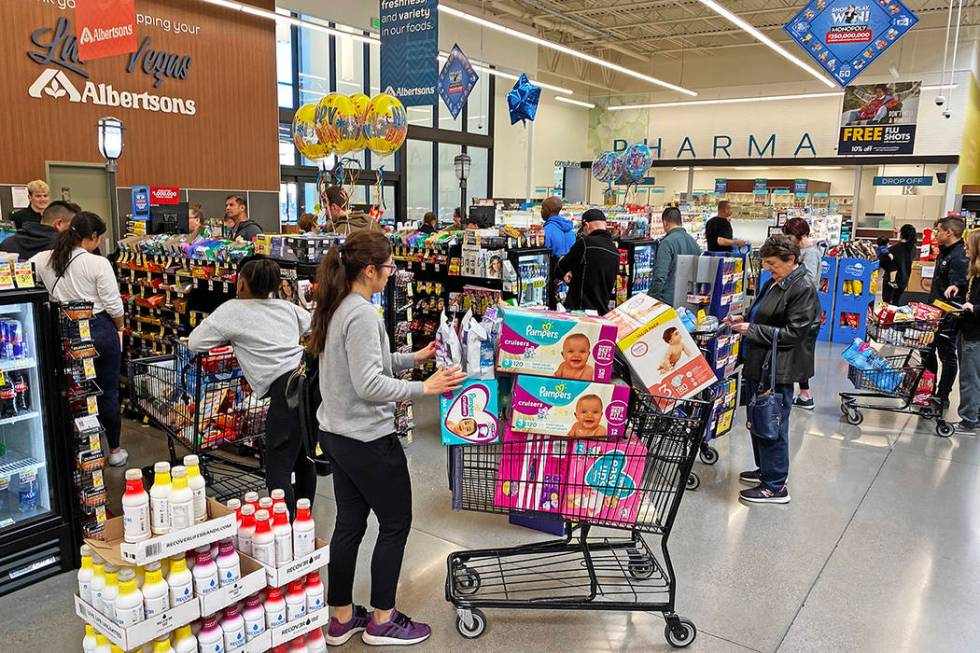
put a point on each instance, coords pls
(143, 632)
(293, 629)
(220, 525)
(287, 573)
(252, 580)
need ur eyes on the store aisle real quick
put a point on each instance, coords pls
(876, 552)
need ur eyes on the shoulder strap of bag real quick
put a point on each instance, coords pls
(772, 360)
(62, 275)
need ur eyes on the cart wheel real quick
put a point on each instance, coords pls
(478, 624)
(843, 409)
(693, 481)
(944, 429)
(709, 455)
(681, 633)
(467, 581)
(641, 568)
(854, 416)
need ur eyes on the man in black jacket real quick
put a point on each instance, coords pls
(591, 266)
(948, 281)
(35, 237)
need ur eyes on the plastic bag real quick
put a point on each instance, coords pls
(449, 349)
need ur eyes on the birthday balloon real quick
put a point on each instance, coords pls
(608, 167)
(523, 100)
(362, 104)
(305, 135)
(336, 123)
(386, 126)
(636, 161)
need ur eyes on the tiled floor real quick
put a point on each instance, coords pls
(878, 551)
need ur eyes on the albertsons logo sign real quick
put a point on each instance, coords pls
(55, 84)
(100, 34)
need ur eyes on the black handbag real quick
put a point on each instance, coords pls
(303, 394)
(765, 411)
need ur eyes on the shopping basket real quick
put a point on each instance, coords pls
(633, 484)
(918, 334)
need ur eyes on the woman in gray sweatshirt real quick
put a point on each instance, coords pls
(810, 258)
(370, 473)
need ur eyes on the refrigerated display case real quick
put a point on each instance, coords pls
(639, 262)
(529, 276)
(36, 536)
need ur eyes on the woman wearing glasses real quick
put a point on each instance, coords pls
(370, 472)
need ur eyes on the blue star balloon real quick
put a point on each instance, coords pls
(523, 100)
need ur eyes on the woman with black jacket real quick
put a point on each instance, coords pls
(969, 324)
(787, 306)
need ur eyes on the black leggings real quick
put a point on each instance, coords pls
(368, 476)
(284, 453)
(107, 370)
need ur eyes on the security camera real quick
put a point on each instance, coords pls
(947, 113)
(940, 100)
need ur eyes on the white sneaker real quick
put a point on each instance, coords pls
(119, 458)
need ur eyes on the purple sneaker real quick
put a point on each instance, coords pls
(399, 631)
(338, 633)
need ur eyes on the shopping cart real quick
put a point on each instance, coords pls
(204, 405)
(893, 387)
(584, 570)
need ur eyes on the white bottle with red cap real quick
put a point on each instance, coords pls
(247, 530)
(252, 499)
(210, 639)
(205, 572)
(278, 496)
(263, 542)
(304, 530)
(316, 642)
(295, 601)
(229, 564)
(236, 505)
(283, 534)
(254, 617)
(136, 508)
(314, 592)
(275, 608)
(233, 627)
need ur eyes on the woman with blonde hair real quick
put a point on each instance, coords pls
(969, 410)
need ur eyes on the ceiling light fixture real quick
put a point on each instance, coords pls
(765, 40)
(563, 49)
(751, 167)
(578, 103)
(738, 100)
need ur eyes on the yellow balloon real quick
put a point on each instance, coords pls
(387, 124)
(305, 134)
(362, 104)
(336, 123)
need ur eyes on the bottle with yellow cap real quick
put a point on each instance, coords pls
(162, 645)
(88, 642)
(116, 649)
(85, 574)
(181, 500)
(184, 640)
(181, 581)
(98, 581)
(196, 483)
(129, 603)
(102, 644)
(111, 591)
(156, 594)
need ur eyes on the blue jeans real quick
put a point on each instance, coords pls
(772, 456)
(969, 380)
(107, 371)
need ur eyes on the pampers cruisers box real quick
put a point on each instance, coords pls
(469, 415)
(660, 352)
(562, 345)
(575, 409)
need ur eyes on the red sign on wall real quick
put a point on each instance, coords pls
(105, 28)
(164, 195)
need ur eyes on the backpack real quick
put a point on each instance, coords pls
(303, 394)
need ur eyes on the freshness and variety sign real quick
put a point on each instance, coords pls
(844, 36)
(879, 119)
(409, 46)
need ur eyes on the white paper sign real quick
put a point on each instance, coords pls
(20, 196)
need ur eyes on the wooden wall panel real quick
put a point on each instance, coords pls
(231, 141)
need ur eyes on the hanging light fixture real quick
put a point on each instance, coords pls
(111, 132)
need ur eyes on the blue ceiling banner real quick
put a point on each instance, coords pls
(844, 36)
(456, 81)
(409, 47)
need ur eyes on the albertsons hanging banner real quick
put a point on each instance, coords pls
(409, 46)
(844, 37)
(879, 118)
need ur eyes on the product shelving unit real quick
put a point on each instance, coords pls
(857, 286)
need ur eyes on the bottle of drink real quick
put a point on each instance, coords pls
(265, 503)
(246, 532)
(102, 644)
(233, 628)
(205, 572)
(8, 400)
(295, 601)
(181, 501)
(23, 402)
(236, 505)
(162, 645)
(98, 581)
(180, 581)
(278, 496)
(156, 592)
(316, 642)
(314, 592)
(18, 350)
(115, 649)
(283, 534)
(129, 603)
(252, 499)
(304, 530)
(27, 492)
(210, 639)
(263, 542)
(254, 617)
(136, 508)
(184, 640)
(275, 608)
(297, 645)
(159, 499)
(110, 591)
(85, 574)
(229, 564)
(196, 483)
(88, 642)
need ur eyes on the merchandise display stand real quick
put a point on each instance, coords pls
(857, 286)
(827, 293)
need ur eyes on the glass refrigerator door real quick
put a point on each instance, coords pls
(25, 486)
(533, 272)
(642, 268)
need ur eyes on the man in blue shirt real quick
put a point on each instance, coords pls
(558, 234)
(675, 242)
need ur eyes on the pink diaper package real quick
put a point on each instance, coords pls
(603, 481)
(531, 474)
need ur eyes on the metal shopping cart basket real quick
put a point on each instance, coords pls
(204, 405)
(893, 387)
(634, 484)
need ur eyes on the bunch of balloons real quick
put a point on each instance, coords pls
(340, 124)
(608, 168)
(626, 169)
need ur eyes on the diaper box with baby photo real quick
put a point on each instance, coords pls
(660, 352)
(469, 415)
(561, 345)
(530, 474)
(575, 409)
(603, 481)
